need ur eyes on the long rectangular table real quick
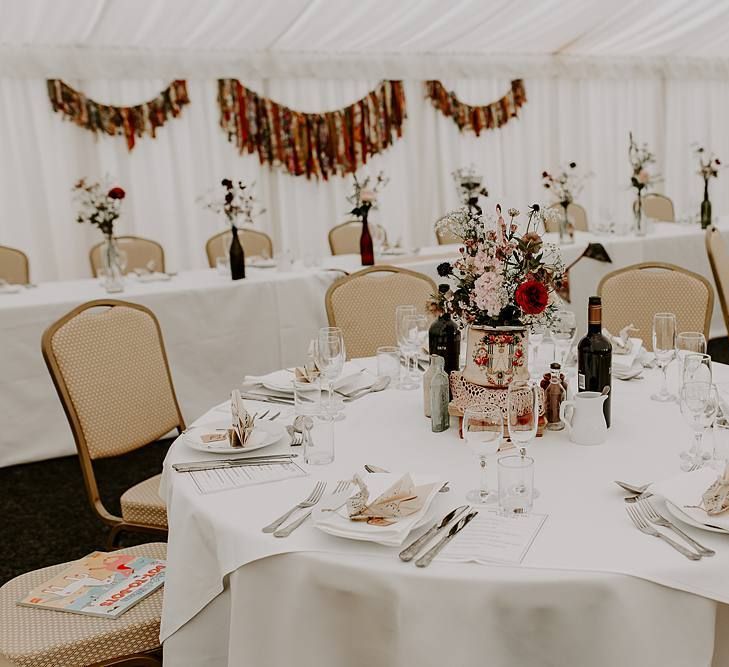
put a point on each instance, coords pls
(216, 330)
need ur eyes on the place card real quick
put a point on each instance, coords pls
(236, 477)
(491, 538)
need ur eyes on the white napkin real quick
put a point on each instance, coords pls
(625, 361)
(339, 524)
(351, 379)
(685, 491)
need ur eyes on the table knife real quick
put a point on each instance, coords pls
(231, 463)
(411, 551)
(428, 557)
(265, 398)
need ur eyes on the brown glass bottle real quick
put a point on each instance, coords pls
(594, 356)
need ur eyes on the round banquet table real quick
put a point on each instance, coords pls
(592, 590)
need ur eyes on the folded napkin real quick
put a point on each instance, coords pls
(400, 499)
(394, 530)
(621, 343)
(625, 361)
(716, 498)
(307, 373)
(687, 490)
(352, 379)
(242, 420)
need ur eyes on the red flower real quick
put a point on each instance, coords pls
(117, 193)
(532, 297)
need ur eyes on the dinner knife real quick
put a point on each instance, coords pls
(411, 551)
(231, 463)
(265, 398)
(428, 557)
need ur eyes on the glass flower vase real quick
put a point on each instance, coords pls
(566, 233)
(640, 222)
(112, 261)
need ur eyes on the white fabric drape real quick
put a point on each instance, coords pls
(586, 120)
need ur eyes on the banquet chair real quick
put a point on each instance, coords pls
(108, 363)
(719, 260)
(14, 266)
(48, 638)
(446, 237)
(576, 213)
(344, 238)
(658, 207)
(139, 251)
(363, 305)
(633, 294)
(255, 244)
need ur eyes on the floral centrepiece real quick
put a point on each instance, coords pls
(364, 194)
(565, 185)
(238, 204)
(709, 166)
(470, 187)
(502, 282)
(642, 179)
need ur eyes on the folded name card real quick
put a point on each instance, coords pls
(242, 421)
(401, 499)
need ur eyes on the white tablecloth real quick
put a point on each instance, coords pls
(592, 590)
(216, 330)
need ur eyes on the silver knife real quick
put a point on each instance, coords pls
(411, 551)
(231, 463)
(265, 398)
(428, 557)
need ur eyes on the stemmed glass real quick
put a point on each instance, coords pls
(536, 336)
(522, 408)
(696, 368)
(401, 312)
(664, 347)
(687, 342)
(330, 357)
(563, 329)
(483, 430)
(698, 407)
(416, 333)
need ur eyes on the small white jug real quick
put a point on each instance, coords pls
(586, 422)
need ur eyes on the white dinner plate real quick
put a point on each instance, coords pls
(260, 263)
(685, 517)
(393, 252)
(264, 433)
(10, 289)
(628, 373)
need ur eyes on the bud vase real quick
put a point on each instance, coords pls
(566, 233)
(496, 356)
(111, 263)
(640, 223)
(706, 207)
(366, 248)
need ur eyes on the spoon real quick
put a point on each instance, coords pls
(379, 384)
(605, 390)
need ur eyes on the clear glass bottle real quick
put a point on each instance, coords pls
(554, 395)
(440, 420)
(427, 376)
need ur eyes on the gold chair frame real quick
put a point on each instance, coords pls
(23, 257)
(349, 223)
(577, 212)
(669, 267)
(444, 237)
(117, 524)
(717, 275)
(656, 196)
(242, 233)
(128, 237)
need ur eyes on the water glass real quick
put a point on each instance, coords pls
(698, 404)
(686, 342)
(516, 485)
(721, 442)
(307, 398)
(562, 330)
(483, 430)
(407, 380)
(319, 441)
(664, 348)
(222, 266)
(388, 363)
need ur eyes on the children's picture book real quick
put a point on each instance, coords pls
(101, 584)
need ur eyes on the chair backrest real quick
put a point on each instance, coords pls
(658, 207)
(718, 253)
(363, 305)
(14, 266)
(635, 293)
(446, 237)
(255, 244)
(139, 251)
(344, 238)
(575, 214)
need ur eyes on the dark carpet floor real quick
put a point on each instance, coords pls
(46, 518)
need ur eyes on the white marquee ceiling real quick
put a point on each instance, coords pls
(397, 38)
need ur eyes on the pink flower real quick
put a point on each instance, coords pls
(488, 293)
(644, 177)
(367, 196)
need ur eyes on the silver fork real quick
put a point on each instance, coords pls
(285, 532)
(644, 527)
(651, 514)
(275, 415)
(310, 501)
(341, 487)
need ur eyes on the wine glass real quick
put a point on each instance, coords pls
(664, 347)
(415, 329)
(687, 342)
(698, 407)
(401, 312)
(536, 336)
(562, 330)
(522, 414)
(330, 357)
(696, 368)
(483, 430)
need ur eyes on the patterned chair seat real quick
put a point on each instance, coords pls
(142, 504)
(46, 638)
